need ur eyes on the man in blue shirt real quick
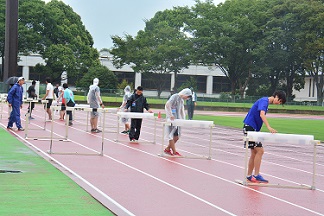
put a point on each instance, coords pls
(253, 122)
(15, 100)
(69, 101)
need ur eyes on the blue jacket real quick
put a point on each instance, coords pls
(15, 95)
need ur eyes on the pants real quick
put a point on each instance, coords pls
(135, 129)
(31, 107)
(15, 117)
(191, 109)
(70, 104)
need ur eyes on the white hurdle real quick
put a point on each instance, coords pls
(279, 138)
(136, 115)
(3, 99)
(188, 124)
(27, 121)
(86, 109)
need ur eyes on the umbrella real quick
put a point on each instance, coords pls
(12, 80)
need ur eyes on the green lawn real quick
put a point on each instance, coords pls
(282, 125)
(40, 189)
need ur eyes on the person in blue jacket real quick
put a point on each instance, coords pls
(253, 122)
(15, 100)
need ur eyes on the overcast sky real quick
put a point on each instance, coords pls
(104, 18)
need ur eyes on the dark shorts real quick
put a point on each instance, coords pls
(49, 103)
(63, 107)
(252, 145)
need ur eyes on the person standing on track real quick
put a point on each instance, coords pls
(137, 102)
(49, 96)
(95, 102)
(125, 121)
(32, 95)
(69, 101)
(174, 109)
(191, 104)
(15, 100)
(253, 122)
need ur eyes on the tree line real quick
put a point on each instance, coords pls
(261, 45)
(55, 32)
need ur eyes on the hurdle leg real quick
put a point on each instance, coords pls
(314, 164)
(154, 131)
(117, 128)
(26, 126)
(162, 146)
(51, 140)
(246, 160)
(210, 143)
(103, 133)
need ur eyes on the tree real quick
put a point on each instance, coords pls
(161, 48)
(228, 35)
(312, 42)
(107, 79)
(56, 32)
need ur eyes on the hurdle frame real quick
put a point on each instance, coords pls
(27, 122)
(136, 115)
(250, 137)
(86, 109)
(182, 123)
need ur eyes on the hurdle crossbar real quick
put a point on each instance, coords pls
(188, 124)
(275, 138)
(135, 115)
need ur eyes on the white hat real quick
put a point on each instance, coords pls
(95, 81)
(20, 78)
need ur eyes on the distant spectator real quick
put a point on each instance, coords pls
(191, 104)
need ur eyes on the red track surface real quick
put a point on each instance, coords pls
(133, 179)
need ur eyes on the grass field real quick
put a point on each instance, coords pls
(40, 189)
(211, 104)
(282, 125)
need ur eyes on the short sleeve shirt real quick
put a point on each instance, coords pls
(49, 88)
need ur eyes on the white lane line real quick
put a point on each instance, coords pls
(197, 170)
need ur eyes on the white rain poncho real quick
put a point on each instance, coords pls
(175, 107)
(93, 94)
(127, 91)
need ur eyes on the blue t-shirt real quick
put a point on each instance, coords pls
(68, 95)
(253, 117)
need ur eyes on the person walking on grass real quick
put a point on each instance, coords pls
(137, 103)
(95, 102)
(253, 122)
(15, 101)
(125, 121)
(174, 109)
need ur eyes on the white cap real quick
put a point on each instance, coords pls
(95, 81)
(20, 78)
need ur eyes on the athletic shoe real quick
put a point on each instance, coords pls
(21, 129)
(132, 140)
(31, 117)
(260, 179)
(70, 123)
(96, 131)
(251, 179)
(9, 128)
(168, 152)
(177, 154)
(123, 132)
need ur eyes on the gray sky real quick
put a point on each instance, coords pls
(104, 18)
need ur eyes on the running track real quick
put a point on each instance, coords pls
(132, 179)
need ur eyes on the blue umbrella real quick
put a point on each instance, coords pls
(11, 80)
